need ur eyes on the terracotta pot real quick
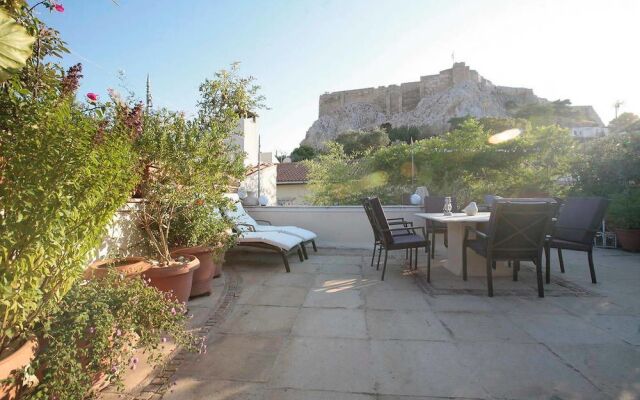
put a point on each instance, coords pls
(176, 278)
(16, 360)
(128, 266)
(202, 276)
(629, 239)
(218, 260)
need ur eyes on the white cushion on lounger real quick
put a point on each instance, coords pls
(239, 215)
(303, 234)
(281, 240)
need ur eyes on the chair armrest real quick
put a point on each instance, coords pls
(251, 227)
(263, 221)
(479, 234)
(407, 228)
(403, 222)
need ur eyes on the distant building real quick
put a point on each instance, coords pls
(589, 132)
(292, 184)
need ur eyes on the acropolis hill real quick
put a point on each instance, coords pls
(432, 101)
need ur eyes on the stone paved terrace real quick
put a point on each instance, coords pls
(332, 330)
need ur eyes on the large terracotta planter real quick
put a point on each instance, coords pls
(629, 239)
(204, 274)
(128, 266)
(15, 361)
(176, 278)
(218, 261)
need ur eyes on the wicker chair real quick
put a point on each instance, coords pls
(396, 238)
(376, 239)
(517, 231)
(577, 223)
(435, 204)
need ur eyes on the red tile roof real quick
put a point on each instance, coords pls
(292, 172)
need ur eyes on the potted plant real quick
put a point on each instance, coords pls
(65, 168)
(127, 266)
(193, 163)
(201, 231)
(624, 216)
(92, 338)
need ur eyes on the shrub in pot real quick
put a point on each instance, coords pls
(192, 164)
(201, 231)
(624, 216)
(90, 341)
(65, 168)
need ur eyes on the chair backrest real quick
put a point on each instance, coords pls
(239, 215)
(435, 204)
(382, 225)
(518, 227)
(366, 204)
(579, 218)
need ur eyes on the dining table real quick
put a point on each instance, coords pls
(456, 223)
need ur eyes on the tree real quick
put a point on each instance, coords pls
(405, 134)
(303, 152)
(623, 122)
(358, 142)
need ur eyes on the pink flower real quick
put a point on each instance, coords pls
(59, 8)
(92, 97)
(173, 311)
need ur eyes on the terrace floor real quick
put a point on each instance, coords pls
(332, 330)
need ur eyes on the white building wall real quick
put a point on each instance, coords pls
(247, 139)
(268, 176)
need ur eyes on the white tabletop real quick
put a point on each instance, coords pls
(456, 217)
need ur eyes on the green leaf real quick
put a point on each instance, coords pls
(15, 46)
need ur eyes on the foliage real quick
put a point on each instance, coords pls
(462, 163)
(64, 171)
(623, 122)
(493, 124)
(191, 164)
(15, 46)
(228, 97)
(189, 167)
(624, 210)
(303, 152)
(408, 133)
(358, 142)
(608, 165)
(96, 330)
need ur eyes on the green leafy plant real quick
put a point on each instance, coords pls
(96, 330)
(15, 46)
(624, 210)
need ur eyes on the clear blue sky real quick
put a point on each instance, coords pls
(297, 49)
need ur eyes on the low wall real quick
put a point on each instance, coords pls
(336, 226)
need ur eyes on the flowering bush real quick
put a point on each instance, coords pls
(98, 327)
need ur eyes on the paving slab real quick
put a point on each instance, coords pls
(471, 327)
(547, 328)
(263, 295)
(260, 320)
(295, 394)
(395, 300)
(405, 325)
(416, 368)
(323, 298)
(525, 371)
(212, 389)
(330, 322)
(291, 280)
(342, 365)
(624, 327)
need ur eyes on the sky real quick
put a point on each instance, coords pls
(583, 50)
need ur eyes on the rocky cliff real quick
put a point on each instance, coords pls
(432, 102)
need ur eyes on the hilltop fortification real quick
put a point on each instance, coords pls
(432, 101)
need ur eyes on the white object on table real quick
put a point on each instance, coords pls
(476, 264)
(471, 209)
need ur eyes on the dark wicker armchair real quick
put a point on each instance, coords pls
(577, 223)
(516, 232)
(376, 239)
(396, 238)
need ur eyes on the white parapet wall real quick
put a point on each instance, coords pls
(336, 226)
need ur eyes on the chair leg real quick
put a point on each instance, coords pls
(428, 268)
(539, 275)
(433, 244)
(592, 269)
(489, 277)
(286, 261)
(384, 268)
(547, 259)
(304, 251)
(464, 262)
(410, 258)
(406, 253)
(415, 262)
(300, 255)
(493, 265)
(445, 238)
(373, 255)
(379, 254)
(315, 248)
(560, 260)
(515, 266)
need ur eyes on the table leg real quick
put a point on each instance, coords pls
(476, 264)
